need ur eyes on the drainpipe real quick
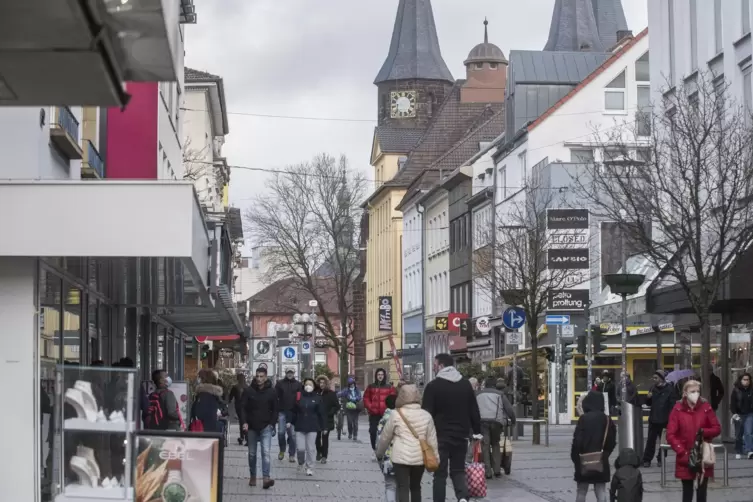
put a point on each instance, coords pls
(420, 210)
(498, 346)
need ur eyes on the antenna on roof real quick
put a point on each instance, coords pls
(486, 31)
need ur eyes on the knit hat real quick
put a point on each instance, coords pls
(660, 374)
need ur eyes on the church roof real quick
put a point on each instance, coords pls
(486, 52)
(610, 18)
(414, 50)
(397, 139)
(574, 27)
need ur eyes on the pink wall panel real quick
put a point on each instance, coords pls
(132, 134)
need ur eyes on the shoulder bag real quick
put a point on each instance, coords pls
(430, 458)
(591, 463)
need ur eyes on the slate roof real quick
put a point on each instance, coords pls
(397, 139)
(191, 75)
(574, 27)
(286, 296)
(414, 50)
(549, 67)
(610, 18)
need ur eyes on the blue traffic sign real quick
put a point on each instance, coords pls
(513, 318)
(558, 320)
(289, 353)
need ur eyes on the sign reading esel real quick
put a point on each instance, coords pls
(385, 313)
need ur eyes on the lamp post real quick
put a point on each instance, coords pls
(302, 323)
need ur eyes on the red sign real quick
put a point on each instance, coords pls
(454, 321)
(458, 343)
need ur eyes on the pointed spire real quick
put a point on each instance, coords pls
(486, 31)
(414, 50)
(574, 28)
(610, 18)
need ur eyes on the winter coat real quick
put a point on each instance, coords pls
(742, 400)
(609, 389)
(376, 393)
(589, 438)
(309, 414)
(493, 406)
(287, 394)
(717, 391)
(331, 404)
(406, 449)
(351, 395)
(684, 423)
(450, 400)
(662, 401)
(258, 406)
(632, 393)
(236, 394)
(206, 404)
(627, 483)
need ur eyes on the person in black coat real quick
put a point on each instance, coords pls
(258, 416)
(717, 389)
(331, 407)
(627, 483)
(309, 418)
(208, 402)
(661, 398)
(595, 432)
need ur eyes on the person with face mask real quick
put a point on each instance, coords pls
(374, 400)
(689, 415)
(661, 398)
(741, 407)
(309, 418)
(352, 398)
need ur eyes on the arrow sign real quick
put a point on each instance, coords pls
(513, 318)
(557, 320)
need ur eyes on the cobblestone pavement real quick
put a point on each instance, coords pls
(350, 475)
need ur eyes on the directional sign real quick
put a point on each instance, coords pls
(289, 354)
(306, 348)
(557, 320)
(514, 318)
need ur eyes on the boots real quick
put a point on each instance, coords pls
(268, 483)
(252, 482)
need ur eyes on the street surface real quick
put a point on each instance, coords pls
(539, 474)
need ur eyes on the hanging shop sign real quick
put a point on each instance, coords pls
(454, 321)
(441, 323)
(567, 300)
(385, 313)
(562, 259)
(566, 218)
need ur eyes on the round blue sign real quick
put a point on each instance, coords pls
(289, 353)
(514, 318)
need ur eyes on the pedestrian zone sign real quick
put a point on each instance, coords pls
(289, 354)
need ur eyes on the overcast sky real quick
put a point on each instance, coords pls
(318, 58)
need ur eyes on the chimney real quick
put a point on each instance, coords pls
(623, 34)
(585, 47)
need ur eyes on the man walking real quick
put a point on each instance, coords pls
(236, 394)
(288, 390)
(450, 400)
(374, 401)
(661, 399)
(258, 417)
(496, 414)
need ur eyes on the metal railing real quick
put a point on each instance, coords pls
(94, 159)
(531, 421)
(65, 120)
(664, 448)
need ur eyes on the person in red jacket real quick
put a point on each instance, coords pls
(374, 402)
(688, 416)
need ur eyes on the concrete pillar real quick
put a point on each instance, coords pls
(20, 425)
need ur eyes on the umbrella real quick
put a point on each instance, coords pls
(678, 375)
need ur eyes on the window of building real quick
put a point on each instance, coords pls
(747, 93)
(523, 167)
(493, 66)
(718, 40)
(671, 44)
(746, 16)
(719, 87)
(643, 115)
(582, 155)
(642, 73)
(614, 94)
(479, 66)
(320, 358)
(502, 175)
(693, 35)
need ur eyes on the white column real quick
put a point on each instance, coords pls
(19, 424)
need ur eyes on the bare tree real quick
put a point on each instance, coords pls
(682, 194)
(306, 219)
(519, 261)
(195, 164)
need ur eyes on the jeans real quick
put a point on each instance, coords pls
(390, 488)
(654, 435)
(688, 487)
(600, 489)
(306, 442)
(451, 456)
(492, 432)
(282, 430)
(322, 443)
(352, 416)
(373, 424)
(264, 437)
(738, 437)
(408, 479)
(746, 422)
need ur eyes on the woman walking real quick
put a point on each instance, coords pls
(689, 416)
(405, 427)
(331, 407)
(594, 437)
(741, 407)
(309, 418)
(352, 398)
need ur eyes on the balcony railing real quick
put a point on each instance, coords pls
(64, 132)
(65, 120)
(93, 161)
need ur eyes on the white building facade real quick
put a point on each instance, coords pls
(412, 292)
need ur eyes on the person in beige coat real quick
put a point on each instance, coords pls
(407, 457)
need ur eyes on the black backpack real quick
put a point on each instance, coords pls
(155, 418)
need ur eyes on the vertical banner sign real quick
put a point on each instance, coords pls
(568, 253)
(385, 313)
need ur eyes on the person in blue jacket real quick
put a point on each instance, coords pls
(352, 399)
(309, 418)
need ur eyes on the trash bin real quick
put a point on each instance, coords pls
(630, 428)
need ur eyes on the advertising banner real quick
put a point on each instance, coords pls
(178, 467)
(567, 300)
(385, 313)
(180, 391)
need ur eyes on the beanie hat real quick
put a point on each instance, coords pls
(660, 374)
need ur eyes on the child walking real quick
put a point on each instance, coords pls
(390, 484)
(627, 482)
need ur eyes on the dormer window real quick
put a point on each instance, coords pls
(479, 66)
(614, 94)
(493, 66)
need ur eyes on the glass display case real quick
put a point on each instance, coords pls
(94, 414)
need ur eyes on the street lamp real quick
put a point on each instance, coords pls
(301, 324)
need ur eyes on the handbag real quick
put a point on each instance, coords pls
(506, 445)
(591, 463)
(430, 458)
(709, 456)
(475, 474)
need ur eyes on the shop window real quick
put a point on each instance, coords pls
(92, 322)
(320, 358)
(72, 324)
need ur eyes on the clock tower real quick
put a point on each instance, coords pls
(414, 79)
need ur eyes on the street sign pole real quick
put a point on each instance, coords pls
(557, 372)
(589, 350)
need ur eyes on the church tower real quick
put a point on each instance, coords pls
(414, 79)
(586, 25)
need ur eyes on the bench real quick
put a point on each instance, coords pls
(531, 421)
(664, 448)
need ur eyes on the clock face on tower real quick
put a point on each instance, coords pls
(402, 104)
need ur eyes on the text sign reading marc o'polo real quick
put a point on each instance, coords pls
(385, 313)
(565, 219)
(567, 300)
(562, 259)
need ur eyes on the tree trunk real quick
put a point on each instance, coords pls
(533, 333)
(705, 356)
(343, 369)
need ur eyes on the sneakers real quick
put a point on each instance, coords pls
(291, 459)
(281, 456)
(251, 481)
(324, 460)
(463, 500)
(309, 472)
(268, 483)
(318, 457)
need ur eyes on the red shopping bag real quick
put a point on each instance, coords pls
(476, 474)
